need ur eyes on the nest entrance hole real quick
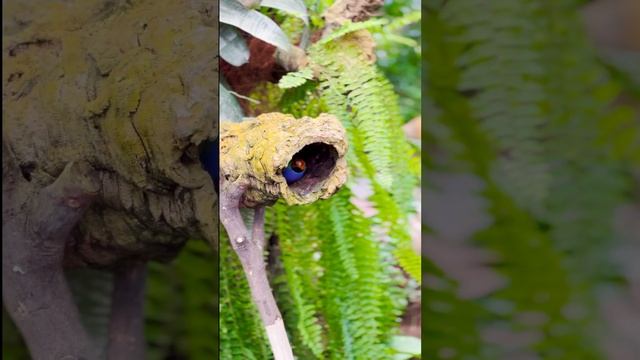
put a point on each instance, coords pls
(320, 160)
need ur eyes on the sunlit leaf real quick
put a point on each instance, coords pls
(296, 8)
(254, 23)
(233, 48)
(230, 110)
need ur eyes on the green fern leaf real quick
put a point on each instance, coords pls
(349, 27)
(295, 79)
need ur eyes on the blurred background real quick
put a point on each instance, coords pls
(531, 171)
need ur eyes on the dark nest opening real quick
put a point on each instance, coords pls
(320, 159)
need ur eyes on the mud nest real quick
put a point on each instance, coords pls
(258, 151)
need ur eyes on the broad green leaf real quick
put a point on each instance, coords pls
(295, 79)
(233, 48)
(406, 344)
(230, 110)
(254, 23)
(296, 8)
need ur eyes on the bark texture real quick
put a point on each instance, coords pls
(130, 87)
(256, 152)
(34, 288)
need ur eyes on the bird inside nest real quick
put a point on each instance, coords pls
(209, 157)
(295, 170)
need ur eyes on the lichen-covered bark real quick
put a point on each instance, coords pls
(256, 152)
(131, 88)
(352, 10)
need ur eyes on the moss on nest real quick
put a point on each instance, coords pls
(257, 151)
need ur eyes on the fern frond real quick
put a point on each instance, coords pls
(295, 79)
(356, 91)
(407, 19)
(358, 325)
(410, 261)
(516, 84)
(242, 335)
(502, 69)
(196, 268)
(298, 244)
(349, 27)
(162, 309)
(180, 309)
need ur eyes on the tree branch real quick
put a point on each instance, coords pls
(34, 289)
(249, 250)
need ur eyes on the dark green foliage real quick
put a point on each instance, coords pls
(451, 321)
(365, 101)
(398, 52)
(297, 243)
(241, 333)
(359, 325)
(501, 68)
(520, 99)
(181, 317)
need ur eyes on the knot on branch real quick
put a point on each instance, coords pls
(259, 151)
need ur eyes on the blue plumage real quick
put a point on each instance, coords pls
(209, 156)
(293, 174)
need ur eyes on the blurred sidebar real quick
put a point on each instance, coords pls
(109, 239)
(532, 179)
